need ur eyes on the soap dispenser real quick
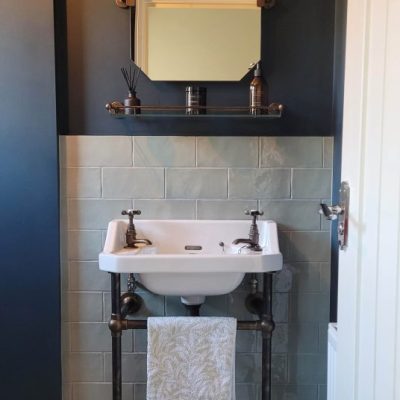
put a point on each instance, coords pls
(256, 92)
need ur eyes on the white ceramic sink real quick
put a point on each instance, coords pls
(168, 268)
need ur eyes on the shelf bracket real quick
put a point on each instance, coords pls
(125, 3)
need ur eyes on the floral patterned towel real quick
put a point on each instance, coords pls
(191, 358)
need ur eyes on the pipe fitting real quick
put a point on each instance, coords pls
(117, 325)
(267, 326)
(130, 304)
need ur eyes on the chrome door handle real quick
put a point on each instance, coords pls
(331, 212)
(340, 212)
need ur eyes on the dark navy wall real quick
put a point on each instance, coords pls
(297, 54)
(30, 365)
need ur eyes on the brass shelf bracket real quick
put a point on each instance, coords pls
(125, 3)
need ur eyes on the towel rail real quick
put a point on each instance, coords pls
(118, 324)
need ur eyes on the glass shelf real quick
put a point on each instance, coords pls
(118, 110)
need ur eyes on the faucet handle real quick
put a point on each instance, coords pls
(130, 213)
(254, 213)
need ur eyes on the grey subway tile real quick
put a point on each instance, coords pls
(236, 305)
(134, 367)
(65, 335)
(246, 341)
(66, 391)
(279, 369)
(137, 183)
(284, 238)
(95, 337)
(311, 183)
(323, 338)
(140, 341)
(174, 307)
(99, 391)
(196, 183)
(325, 281)
(84, 307)
(280, 339)
(291, 152)
(310, 246)
(280, 307)
(322, 392)
(309, 307)
(283, 279)
(86, 276)
(224, 209)
(246, 391)
(139, 392)
(215, 306)
(292, 214)
(227, 152)
(166, 209)
(94, 214)
(84, 367)
(328, 152)
(307, 368)
(164, 151)
(82, 182)
(306, 277)
(94, 151)
(303, 338)
(84, 245)
(64, 278)
(248, 368)
(295, 392)
(259, 183)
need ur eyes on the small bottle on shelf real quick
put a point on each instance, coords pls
(256, 92)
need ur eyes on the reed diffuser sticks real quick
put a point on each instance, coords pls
(131, 79)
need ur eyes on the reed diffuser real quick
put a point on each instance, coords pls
(131, 79)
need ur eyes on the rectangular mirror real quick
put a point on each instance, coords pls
(196, 40)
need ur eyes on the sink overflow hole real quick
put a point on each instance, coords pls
(193, 247)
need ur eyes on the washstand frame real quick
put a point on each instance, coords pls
(118, 323)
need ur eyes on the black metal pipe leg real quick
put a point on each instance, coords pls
(266, 369)
(116, 337)
(116, 367)
(267, 327)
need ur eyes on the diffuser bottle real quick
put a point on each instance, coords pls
(132, 103)
(132, 100)
(256, 92)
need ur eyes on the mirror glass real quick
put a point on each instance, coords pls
(197, 40)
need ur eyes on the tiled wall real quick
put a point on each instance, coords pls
(204, 178)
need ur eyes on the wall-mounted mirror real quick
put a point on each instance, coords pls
(196, 40)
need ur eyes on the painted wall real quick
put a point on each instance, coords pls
(197, 178)
(30, 342)
(297, 54)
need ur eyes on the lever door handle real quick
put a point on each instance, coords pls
(330, 212)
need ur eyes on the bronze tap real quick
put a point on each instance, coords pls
(254, 236)
(131, 240)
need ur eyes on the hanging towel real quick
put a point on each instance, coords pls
(191, 358)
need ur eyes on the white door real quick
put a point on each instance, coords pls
(369, 270)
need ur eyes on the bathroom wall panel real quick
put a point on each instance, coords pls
(30, 362)
(297, 55)
(301, 291)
